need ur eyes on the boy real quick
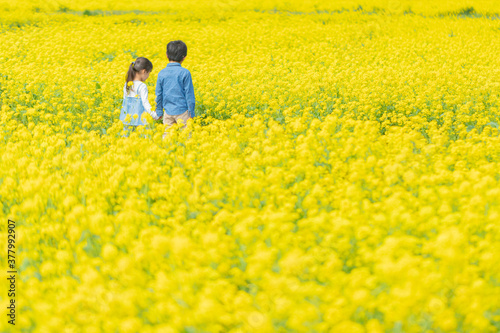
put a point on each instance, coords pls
(174, 88)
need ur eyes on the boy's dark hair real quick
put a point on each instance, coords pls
(138, 65)
(176, 50)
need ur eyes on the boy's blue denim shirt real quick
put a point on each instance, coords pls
(174, 91)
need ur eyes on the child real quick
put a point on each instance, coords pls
(174, 88)
(135, 94)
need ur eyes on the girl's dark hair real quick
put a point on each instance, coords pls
(138, 65)
(176, 50)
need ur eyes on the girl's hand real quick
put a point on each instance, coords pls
(154, 115)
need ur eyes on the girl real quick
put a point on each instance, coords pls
(135, 94)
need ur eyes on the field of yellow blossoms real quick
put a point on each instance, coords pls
(342, 175)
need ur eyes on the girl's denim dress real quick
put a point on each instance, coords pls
(132, 106)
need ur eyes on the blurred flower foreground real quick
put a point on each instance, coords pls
(342, 175)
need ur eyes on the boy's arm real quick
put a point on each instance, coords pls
(159, 97)
(189, 93)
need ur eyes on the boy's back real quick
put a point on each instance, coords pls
(174, 87)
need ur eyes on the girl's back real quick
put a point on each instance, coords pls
(135, 93)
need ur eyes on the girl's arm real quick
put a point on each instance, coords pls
(124, 97)
(143, 93)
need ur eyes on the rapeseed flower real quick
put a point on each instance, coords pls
(342, 174)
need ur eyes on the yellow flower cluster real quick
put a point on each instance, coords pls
(343, 174)
(21, 12)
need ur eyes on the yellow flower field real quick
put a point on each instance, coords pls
(342, 175)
